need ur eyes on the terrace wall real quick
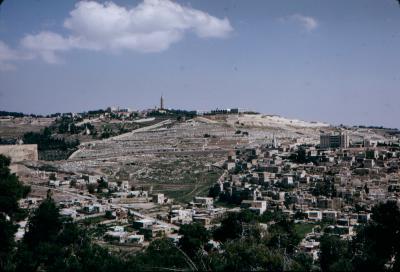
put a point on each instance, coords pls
(17, 153)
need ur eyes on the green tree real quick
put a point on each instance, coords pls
(161, 255)
(335, 254)
(91, 187)
(301, 262)
(52, 176)
(246, 255)
(232, 226)
(7, 244)
(44, 225)
(11, 189)
(194, 237)
(377, 245)
(283, 235)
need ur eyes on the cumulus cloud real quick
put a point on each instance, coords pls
(307, 22)
(151, 26)
(45, 44)
(8, 56)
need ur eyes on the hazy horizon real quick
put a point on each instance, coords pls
(330, 61)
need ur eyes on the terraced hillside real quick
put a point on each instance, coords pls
(176, 157)
(167, 137)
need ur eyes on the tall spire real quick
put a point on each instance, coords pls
(161, 103)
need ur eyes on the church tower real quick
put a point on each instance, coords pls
(161, 103)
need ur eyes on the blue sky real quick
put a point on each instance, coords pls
(333, 61)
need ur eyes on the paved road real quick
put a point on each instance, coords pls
(64, 192)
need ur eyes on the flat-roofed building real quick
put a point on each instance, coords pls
(258, 206)
(158, 198)
(334, 140)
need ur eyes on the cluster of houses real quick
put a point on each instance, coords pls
(111, 202)
(201, 210)
(132, 227)
(119, 235)
(110, 189)
(113, 209)
(334, 186)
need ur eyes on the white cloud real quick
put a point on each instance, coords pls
(45, 44)
(151, 26)
(8, 56)
(307, 22)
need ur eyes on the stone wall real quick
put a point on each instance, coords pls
(17, 153)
